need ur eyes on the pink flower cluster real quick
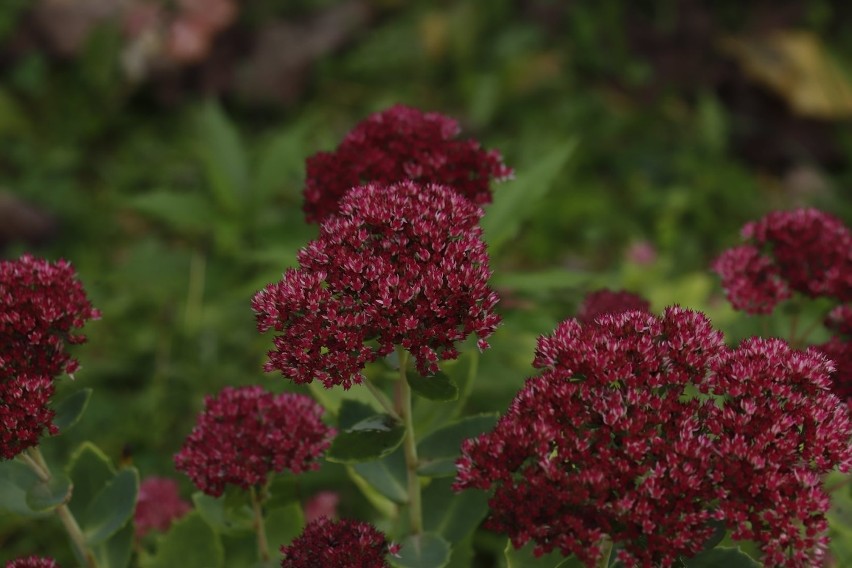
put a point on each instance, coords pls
(645, 430)
(41, 306)
(157, 505)
(349, 543)
(806, 251)
(245, 433)
(398, 144)
(839, 350)
(403, 265)
(605, 301)
(32, 562)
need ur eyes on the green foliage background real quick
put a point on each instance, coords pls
(175, 214)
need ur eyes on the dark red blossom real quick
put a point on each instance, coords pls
(398, 144)
(779, 431)
(751, 280)
(613, 441)
(604, 443)
(349, 543)
(33, 562)
(41, 306)
(839, 320)
(245, 433)
(605, 301)
(805, 250)
(24, 414)
(157, 505)
(839, 351)
(403, 265)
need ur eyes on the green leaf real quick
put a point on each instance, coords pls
(116, 551)
(190, 543)
(438, 451)
(223, 517)
(352, 412)
(438, 387)
(223, 155)
(111, 507)
(69, 411)
(47, 495)
(283, 525)
(281, 162)
(427, 550)
(370, 439)
(387, 475)
(333, 399)
(721, 556)
(16, 479)
(517, 200)
(525, 558)
(452, 515)
(183, 212)
(89, 469)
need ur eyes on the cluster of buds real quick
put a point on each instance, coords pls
(42, 304)
(645, 431)
(343, 543)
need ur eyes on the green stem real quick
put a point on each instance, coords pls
(37, 463)
(607, 553)
(403, 402)
(259, 526)
(383, 399)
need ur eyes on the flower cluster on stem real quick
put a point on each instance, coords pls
(350, 543)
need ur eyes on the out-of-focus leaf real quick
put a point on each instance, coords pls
(224, 156)
(438, 387)
(437, 452)
(190, 543)
(387, 475)
(90, 470)
(72, 407)
(116, 551)
(179, 211)
(721, 556)
(516, 200)
(16, 480)
(426, 550)
(795, 65)
(47, 495)
(111, 507)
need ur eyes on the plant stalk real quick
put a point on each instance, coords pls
(607, 553)
(403, 401)
(39, 466)
(383, 399)
(259, 526)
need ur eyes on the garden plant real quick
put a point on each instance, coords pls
(640, 438)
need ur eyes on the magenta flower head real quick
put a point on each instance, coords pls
(403, 265)
(33, 562)
(41, 305)
(604, 444)
(245, 433)
(779, 431)
(605, 301)
(398, 144)
(157, 505)
(349, 543)
(806, 251)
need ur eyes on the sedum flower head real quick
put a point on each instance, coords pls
(805, 250)
(33, 562)
(605, 301)
(41, 306)
(839, 350)
(779, 430)
(245, 433)
(604, 443)
(349, 543)
(397, 144)
(643, 430)
(157, 505)
(24, 414)
(403, 265)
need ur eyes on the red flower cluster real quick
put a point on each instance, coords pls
(157, 505)
(400, 265)
(41, 304)
(605, 301)
(805, 250)
(245, 433)
(614, 441)
(33, 562)
(839, 350)
(349, 543)
(398, 144)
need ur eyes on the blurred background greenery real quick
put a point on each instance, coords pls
(160, 146)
